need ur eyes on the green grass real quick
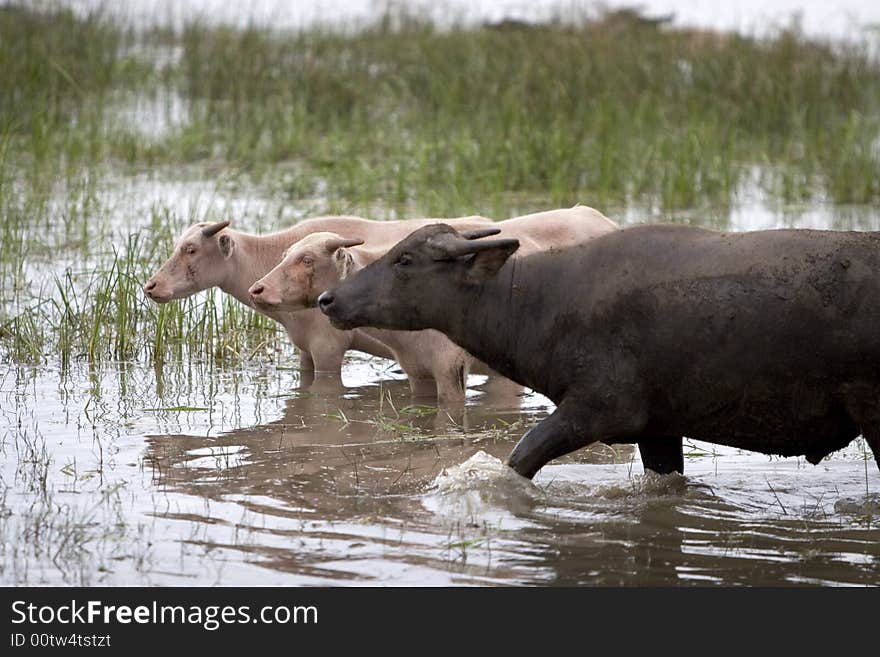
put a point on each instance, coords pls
(90, 306)
(395, 118)
(448, 119)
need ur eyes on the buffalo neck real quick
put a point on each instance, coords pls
(358, 258)
(501, 323)
(253, 257)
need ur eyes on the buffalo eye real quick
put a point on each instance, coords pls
(190, 250)
(404, 260)
(307, 260)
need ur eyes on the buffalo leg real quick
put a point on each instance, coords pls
(662, 454)
(577, 422)
(306, 379)
(422, 387)
(450, 390)
(571, 426)
(306, 364)
(422, 384)
(328, 357)
(552, 437)
(451, 381)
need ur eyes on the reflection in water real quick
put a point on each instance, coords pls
(362, 488)
(332, 480)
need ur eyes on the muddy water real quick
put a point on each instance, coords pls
(243, 477)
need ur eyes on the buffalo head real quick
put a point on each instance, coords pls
(419, 280)
(201, 259)
(314, 264)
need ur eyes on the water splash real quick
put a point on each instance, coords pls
(649, 484)
(482, 489)
(480, 471)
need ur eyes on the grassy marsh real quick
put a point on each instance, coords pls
(398, 117)
(113, 138)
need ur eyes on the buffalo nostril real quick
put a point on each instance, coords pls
(257, 290)
(325, 300)
(150, 285)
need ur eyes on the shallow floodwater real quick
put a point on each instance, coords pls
(193, 475)
(240, 477)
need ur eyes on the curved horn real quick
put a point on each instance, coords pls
(449, 246)
(213, 229)
(478, 233)
(341, 243)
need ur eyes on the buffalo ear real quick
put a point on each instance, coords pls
(226, 245)
(487, 262)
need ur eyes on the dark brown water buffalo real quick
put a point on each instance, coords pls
(767, 341)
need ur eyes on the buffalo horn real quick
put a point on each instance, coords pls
(213, 229)
(453, 246)
(478, 233)
(341, 243)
